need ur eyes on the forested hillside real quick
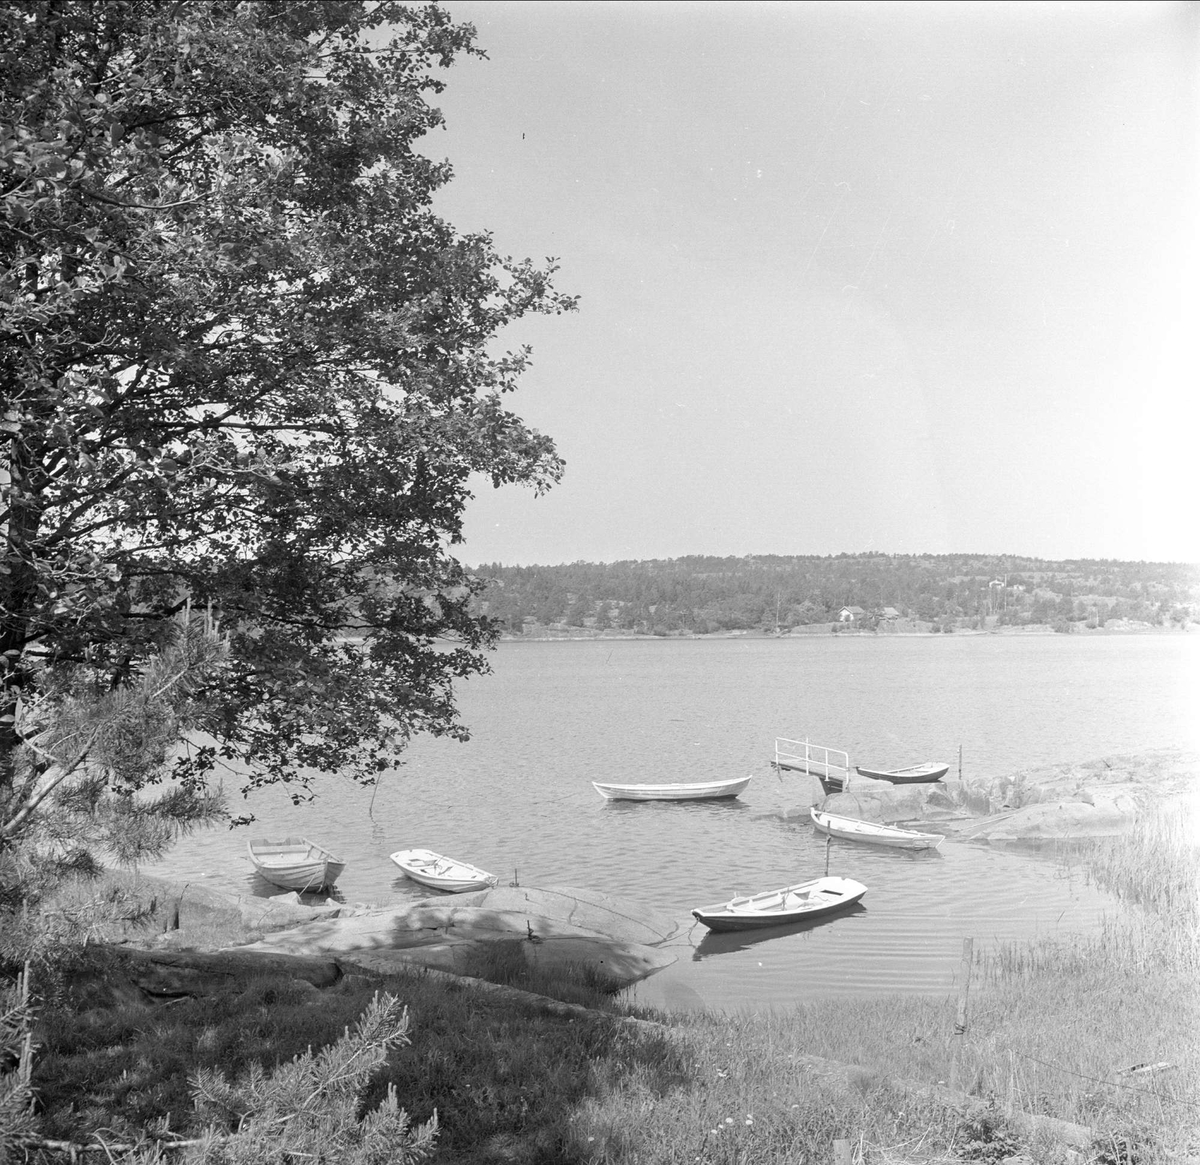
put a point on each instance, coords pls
(847, 592)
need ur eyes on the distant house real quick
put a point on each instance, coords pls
(889, 613)
(849, 614)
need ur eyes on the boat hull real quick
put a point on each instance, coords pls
(790, 904)
(442, 873)
(295, 863)
(914, 775)
(851, 829)
(694, 791)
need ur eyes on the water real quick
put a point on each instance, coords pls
(517, 798)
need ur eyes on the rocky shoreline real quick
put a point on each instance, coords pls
(1097, 798)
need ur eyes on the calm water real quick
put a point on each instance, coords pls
(517, 798)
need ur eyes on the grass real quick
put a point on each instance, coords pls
(1051, 1025)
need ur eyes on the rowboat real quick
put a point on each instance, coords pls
(294, 863)
(442, 873)
(799, 903)
(851, 829)
(693, 791)
(913, 775)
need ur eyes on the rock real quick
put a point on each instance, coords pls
(558, 925)
(1043, 821)
(870, 800)
(172, 974)
(616, 917)
(620, 963)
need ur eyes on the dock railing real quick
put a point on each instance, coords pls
(801, 756)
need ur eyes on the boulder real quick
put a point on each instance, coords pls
(880, 801)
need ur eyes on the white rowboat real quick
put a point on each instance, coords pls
(694, 791)
(851, 829)
(799, 903)
(442, 873)
(294, 863)
(913, 775)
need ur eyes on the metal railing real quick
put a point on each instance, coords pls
(801, 756)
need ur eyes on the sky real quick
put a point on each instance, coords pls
(904, 277)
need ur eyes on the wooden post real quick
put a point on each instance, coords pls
(960, 1022)
(841, 1153)
(828, 843)
(960, 762)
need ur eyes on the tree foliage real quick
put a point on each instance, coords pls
(310, 1107)
(699, 594)
(80, 790)
(244, 365)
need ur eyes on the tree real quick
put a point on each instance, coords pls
(82, 787)
(245, 366)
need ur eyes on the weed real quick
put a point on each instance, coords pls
(987, 1137)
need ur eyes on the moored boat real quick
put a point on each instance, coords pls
(441, 872)
(912, 775)
(852, 829)
(294, 863)
(799, 903)
(678, 791)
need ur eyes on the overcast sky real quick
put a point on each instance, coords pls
(853, 276)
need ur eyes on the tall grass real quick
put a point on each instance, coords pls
(1156, 865)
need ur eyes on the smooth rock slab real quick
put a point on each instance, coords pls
(1044, 820)
(438, 932)
(604, 913)
(621, 963)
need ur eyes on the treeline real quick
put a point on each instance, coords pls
(703, 595)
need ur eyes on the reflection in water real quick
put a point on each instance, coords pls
(714, 943)
(711, 805)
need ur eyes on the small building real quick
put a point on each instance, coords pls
(889, 613)
(850, 614)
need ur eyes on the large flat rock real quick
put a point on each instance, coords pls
(1055, 819)
(621, 963)
(605, 913)
(612, 936)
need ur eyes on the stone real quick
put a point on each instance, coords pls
(556, 926)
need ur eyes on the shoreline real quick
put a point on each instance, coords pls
(550, 635)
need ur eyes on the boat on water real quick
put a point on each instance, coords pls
(799, 903)
(679, 791)
(441, 872)
(294, 863)
(852, 829)
(913, 775)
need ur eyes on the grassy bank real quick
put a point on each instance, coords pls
(1051, 1028)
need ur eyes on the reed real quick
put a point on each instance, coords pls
(1155, 865)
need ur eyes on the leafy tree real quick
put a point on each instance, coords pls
(244, 365)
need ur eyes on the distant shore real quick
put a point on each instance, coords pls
(905, 627)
